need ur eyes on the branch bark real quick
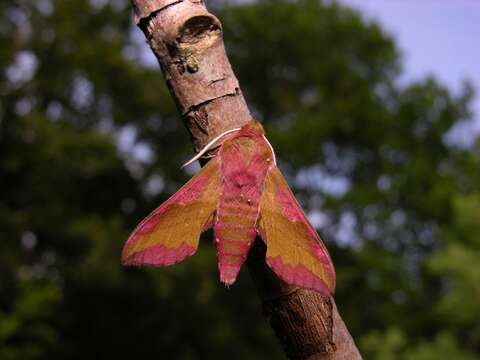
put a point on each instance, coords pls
(187, 41)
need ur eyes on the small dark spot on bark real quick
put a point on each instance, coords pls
(192, 68)
(172, 50)
(180, 68)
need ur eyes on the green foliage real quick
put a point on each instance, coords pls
(388, 345)
(444, 346)
(90, 142)
(25, 332)
(393, 345)
(457, 263)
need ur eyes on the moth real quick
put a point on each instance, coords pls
(241, 194)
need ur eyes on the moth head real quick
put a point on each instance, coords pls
(254, 126)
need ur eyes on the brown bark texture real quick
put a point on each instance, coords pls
(188, 43)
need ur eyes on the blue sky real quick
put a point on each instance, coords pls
(437, 37)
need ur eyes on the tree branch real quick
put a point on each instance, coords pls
(187, 41)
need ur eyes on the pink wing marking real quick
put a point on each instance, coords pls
(160, 255)
(298, 275)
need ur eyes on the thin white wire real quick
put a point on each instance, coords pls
(207, 147)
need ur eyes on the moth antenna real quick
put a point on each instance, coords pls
(271, 148)
(207, 147)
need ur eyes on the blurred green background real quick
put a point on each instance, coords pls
(90, 142)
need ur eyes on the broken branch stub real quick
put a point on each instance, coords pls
(188, 43)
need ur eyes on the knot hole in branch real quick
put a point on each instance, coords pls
(195, 37)
(201, 30)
